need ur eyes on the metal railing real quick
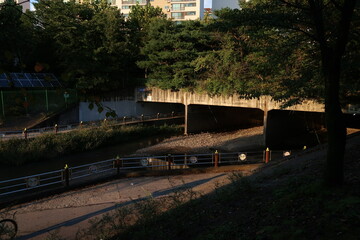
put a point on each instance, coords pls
(31, 133)
(83, 173)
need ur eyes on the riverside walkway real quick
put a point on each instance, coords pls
(67, 213)
(35, 132)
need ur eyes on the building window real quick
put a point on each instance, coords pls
(190, 13)
(190, 4)
(177, 16)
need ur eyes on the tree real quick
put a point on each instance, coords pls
(16, 39)
(169, 51)
(90, 43)
(327, 27)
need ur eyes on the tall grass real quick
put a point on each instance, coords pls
(48, 146)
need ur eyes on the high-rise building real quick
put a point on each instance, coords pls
(25, 4)
(178, 10)
(219, 4)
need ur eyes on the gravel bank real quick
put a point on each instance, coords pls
(240, 140)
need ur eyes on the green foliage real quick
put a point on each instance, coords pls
(169, 52)
(16, 38)
(89, 41)
(306, 209)
(49, 146)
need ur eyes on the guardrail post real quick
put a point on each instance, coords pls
(216, 159)
(118, 164)
(56, 128)
(169, 161)
(267, 155)
(25, 133)
(67, 175)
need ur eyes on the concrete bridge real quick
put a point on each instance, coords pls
(204, 112)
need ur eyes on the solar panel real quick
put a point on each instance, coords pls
(29, 80)
(4, 83)
(3, 76)
(17, 83)
(26, 83)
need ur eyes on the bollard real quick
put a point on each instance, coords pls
(142, 117)
(81, 124)
(118, 164)
(56, 128)
(67, 175)
(158, 115)
(172, 114)
(267, 155)
(216, 159)
(25, 133)
(124, 119)
(169, 161)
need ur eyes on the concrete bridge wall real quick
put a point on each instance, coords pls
(282, 126)
(264, 103)
(126, 108)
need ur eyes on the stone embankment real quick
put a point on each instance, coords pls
(240, 140)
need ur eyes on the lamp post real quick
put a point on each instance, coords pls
(66, 96)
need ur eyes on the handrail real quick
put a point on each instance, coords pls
(68, 175)
(31, 133)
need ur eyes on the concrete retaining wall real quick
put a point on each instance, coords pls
(126, 108)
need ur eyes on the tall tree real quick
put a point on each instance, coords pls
(16, 40)
(326, 26)
(90, 43)
(169, 51)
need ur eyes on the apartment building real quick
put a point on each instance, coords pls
(24, 3)
(219, 4)
(178, 10)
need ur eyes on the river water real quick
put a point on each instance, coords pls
(123, 149)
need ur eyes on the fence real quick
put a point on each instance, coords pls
(13, 103)
(73, 175)
(31, 133)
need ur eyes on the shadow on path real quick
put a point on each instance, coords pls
(77, 220)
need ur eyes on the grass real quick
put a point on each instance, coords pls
(301, 209)
(50, 146)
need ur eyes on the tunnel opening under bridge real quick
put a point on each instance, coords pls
(206, 118)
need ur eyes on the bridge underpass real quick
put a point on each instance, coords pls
(218, 118)
(294, 126)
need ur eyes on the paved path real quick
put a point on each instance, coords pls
(68, 212)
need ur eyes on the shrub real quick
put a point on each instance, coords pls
(49, 146)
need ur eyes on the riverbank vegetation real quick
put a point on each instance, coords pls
(50, 146)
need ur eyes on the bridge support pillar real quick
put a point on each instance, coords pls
(265, 126)
(186, 119)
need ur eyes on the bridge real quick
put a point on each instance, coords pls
(204, 112)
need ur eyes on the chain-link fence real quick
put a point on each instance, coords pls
(20, 102)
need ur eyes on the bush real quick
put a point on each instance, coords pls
(49, 146)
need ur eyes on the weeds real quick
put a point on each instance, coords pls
(140, 213)
(49, 146)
